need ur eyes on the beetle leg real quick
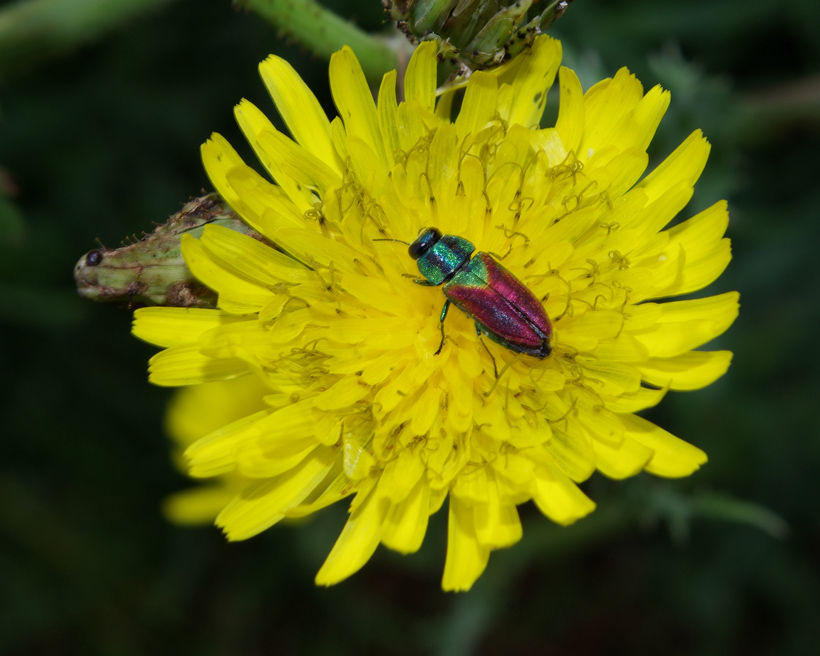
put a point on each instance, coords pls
(418, 281)
(478, 332)
(441, 323)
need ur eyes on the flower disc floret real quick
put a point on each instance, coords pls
(341, 345)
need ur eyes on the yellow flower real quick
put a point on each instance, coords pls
(194, 412)
(352, 398)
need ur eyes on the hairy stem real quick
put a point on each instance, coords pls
(323, 32)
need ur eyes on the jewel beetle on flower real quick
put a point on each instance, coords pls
(501, 305)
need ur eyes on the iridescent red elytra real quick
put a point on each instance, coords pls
(500, 304)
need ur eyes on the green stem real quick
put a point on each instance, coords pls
(765, 113)
(323, 32)
(33, 30)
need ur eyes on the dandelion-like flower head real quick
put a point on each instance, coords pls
(339, 389)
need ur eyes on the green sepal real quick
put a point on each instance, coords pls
(474, 34)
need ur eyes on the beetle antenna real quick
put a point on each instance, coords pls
(406, 243)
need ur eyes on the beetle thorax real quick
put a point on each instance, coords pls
(444, 258)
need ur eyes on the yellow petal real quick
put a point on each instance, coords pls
(466, 558)
(215, 453)
(571, 118)
(177, 326)
(478, 106)
(254, 461)
(254, 124)
(471, 487)
(533, 78)
(406, 523)
(411, 126)
(428, 407)
(252, 260)
(607, 105)
(627, 166)
(242, 187)
(639, 128)
(200, 409)
(367, 167)
(305, 169)
(420, 77)
(186, 365)
(293, 421)
(559, 498)
(704, 269)
(300, 110)
(627, 459)
(335, 487)
(687, 371)
(199, 505)
(707, 255)
(549, 142)
(573, 455)
(444, 106)
(264, 206)
(601, 424)
(388, 110)
(592, 326)
(610, 377)
(685, 325)
(623, 348)
(672, 457)
(659, 212)
(685, 164)
(640, 399)
(317, 250)
(443, 159)
(496, 522)
(703, 230)
(261, 504)
(237, 295)
(342, 394)
(339, 136)
(356, 544)
(353, 100)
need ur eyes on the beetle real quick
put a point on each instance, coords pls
(500, 304)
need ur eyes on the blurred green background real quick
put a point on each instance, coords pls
(101, 141)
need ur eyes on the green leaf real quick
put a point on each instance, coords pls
(11, 222)
(719, 506)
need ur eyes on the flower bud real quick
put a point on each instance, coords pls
(476, 33)
(152, 271)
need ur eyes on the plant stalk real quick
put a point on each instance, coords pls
(323, 32)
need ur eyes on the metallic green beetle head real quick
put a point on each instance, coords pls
(424, 242)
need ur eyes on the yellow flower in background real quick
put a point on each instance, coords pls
(195, 412)
(340, 346)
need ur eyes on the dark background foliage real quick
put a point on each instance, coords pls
(101, 142)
